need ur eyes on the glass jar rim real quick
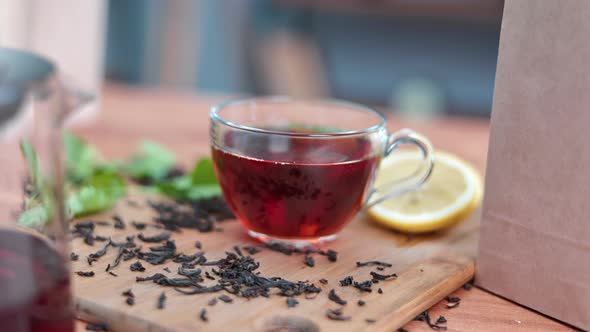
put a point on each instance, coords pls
(215, 116)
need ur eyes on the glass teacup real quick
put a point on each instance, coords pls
(298, 171)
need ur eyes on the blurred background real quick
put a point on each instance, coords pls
(421, 57)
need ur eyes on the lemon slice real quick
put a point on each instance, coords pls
(452, 192)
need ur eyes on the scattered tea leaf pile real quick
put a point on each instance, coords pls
(236, 274)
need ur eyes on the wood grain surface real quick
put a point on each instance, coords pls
(429, 269)
(180, 121)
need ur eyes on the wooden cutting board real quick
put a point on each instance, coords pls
(429, 268)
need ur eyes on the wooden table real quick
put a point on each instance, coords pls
(179, 119)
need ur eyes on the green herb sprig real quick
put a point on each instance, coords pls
(94, 184)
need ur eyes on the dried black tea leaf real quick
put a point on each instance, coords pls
(119, 224)
(309, 261)
(280, 247)
(85, 273)
(137, 267)
(441, 319)
(335, 298)
(153, 277)
(197, 289)
(453, 302)
(346, 281)
(252, 250)
(128, 293)
(336, 314)
(139, 225)
(89, 239)
(74, 257)
(101, 238)
(332, 255)
(161, 301)
(203, 315)
(364, 286)
(380, 291)
(122, 251)
(201, 215)
(373, 263)
(225, 298)
(381, 277)
(453, 305)
(212, 302)
(370, 320)
(192, 274)
(238, 251)
(198, 245)
(96, 255)
(323, 281)
(425, 317)
(164, 236)
(113, 274)
(162, 280)
(361, 303)
(130, 301)
(291, 302)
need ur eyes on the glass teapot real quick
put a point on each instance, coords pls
(34, 246)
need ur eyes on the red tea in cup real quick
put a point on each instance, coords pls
(298, 171)
(309, 190)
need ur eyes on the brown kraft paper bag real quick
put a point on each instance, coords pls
(535, 232)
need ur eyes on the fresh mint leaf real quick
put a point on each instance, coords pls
(153, 162)
(203, 191)
(101, 192)
(176, 188)
(182, 193)
(184, 188)
(94, 185)
(80, 157)
(34, 166)
(34, 217)
(203, 172)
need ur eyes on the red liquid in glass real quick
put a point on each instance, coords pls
(304, 190)
(34, 286)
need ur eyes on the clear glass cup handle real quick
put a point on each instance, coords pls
(412, 182)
